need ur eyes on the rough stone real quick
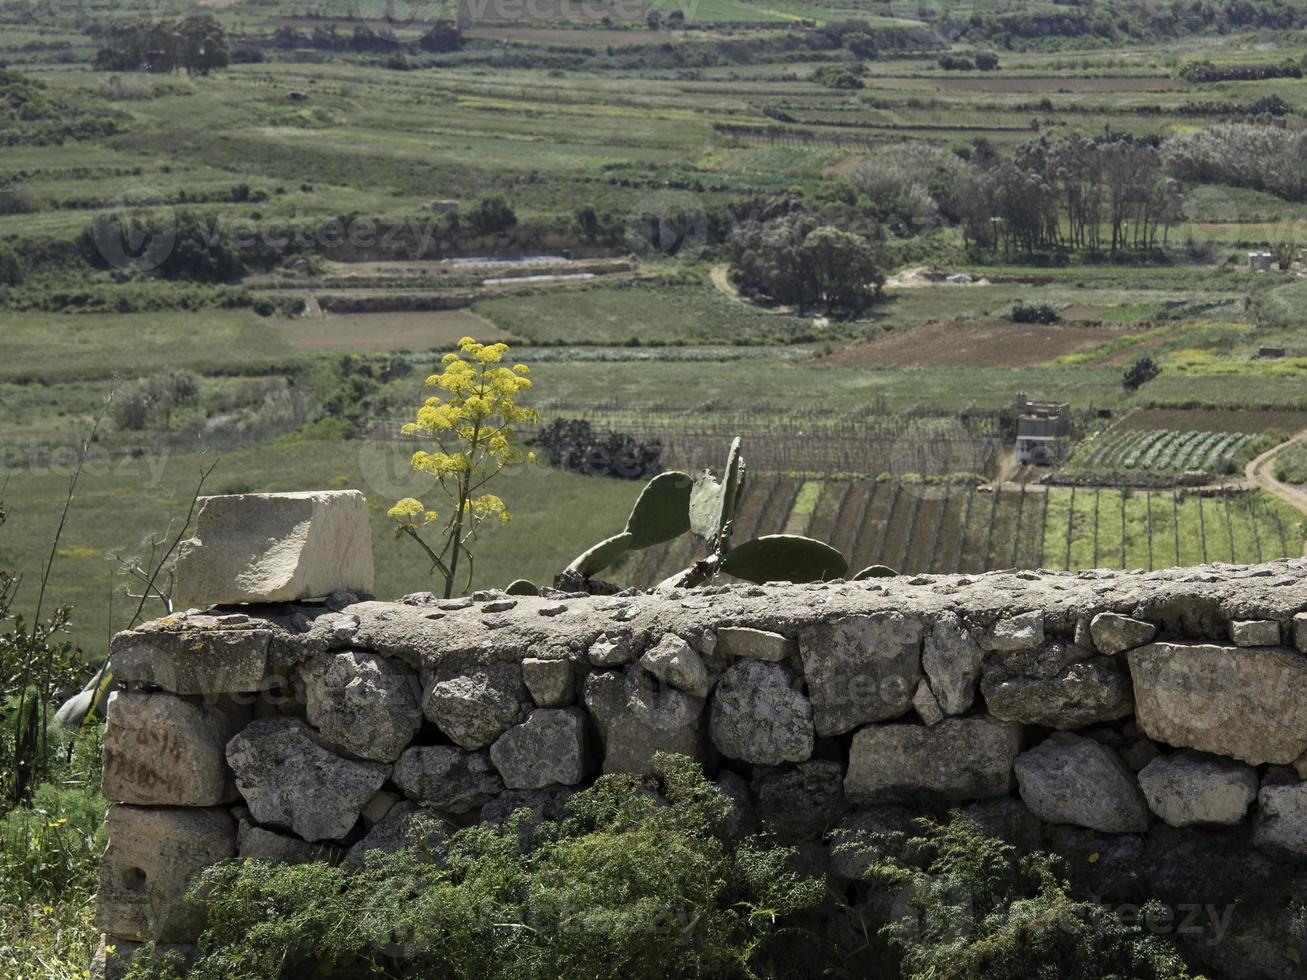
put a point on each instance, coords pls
(551, 746)
(276, 547)
(861, 669)
(363, 703)
(1248, 704)
(958, 759)
(1255, 633)
(674, 662)
(1188, 788)
(759, 715)
(161, 749)
(1114, 633)
(1056, 686)
(154, 854)
(550, 682)
(375, 810)
(475, 706)
(925, 704)
(1300, 632)
(549, 803)
(637, 719)
(951, 658)
(208, 662)
(261, 844)
(611, 651)
(800, 802)
(744, 642)
(447, 778)
(398, 831)
(1015, 634)
(1281, 826)
(1071, 779)
(290, 779)
(734, 788)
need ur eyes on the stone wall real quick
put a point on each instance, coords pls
(1129, 718)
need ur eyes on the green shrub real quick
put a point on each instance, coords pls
(638, 882)
(1034, 313)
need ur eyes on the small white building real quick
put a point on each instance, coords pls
(1260, 261)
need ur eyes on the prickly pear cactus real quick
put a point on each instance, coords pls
(601, 555)
(784, 558)
(662, 512)
(713, 503)
(875, 571)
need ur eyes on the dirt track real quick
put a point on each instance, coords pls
(1261, 472)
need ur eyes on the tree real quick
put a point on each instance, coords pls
(473, 429)
(986, 60)
(842, 269)
(202, 44)
(492, 215)
(13, 270)
(443, 37)
(1141, 372)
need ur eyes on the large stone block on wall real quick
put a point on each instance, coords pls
(447, 778)
(1188, 788)
(161, 749)
(951, 658)
(760, 715)
(957, 759)
(861, 669)
(276, 547)
(1248, 704)
(206, 662)
(1059, 685)
(477, 705)
(552, 747)
(289, 779)
(363, 703)
(1071, 779)
(153, 856)
(638, 717)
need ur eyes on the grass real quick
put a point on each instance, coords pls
(556, 517)
(51, 348)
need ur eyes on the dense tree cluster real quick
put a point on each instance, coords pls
(1205, 71)
(196, 44)
(574, 445)
(796, 259)
(1261, 157)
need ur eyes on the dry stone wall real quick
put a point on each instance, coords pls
(1129, 713)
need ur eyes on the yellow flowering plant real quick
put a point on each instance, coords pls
(472, 425)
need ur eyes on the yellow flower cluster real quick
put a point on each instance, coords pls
(472, 425)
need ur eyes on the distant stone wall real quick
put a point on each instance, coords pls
(1133, 719)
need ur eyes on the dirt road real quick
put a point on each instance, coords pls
(1261, 472)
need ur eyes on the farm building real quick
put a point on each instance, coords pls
(1042, 431)
(1259, 261)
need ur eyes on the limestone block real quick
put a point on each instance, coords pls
(1282, 819)
(477, 705)
(1247, 704)
(153, 856)
(1188, 788)
(551, 747)
(1113, 633)
(741, 641)
(276, 547)
(674, 662)
(951, 659)
(760, 715)
(447, 778)
(363, 703)
(957, 759)
(290, 779)
(262, 844)
(405, 827)
(208, 662)
(637, 717)
(550, 681)
(800, 802)
(1015, 634)
(926, 705)
(611, 651)
(161, 749)
(861, 669)
(1255, 632)
(1071, 779)
(1057, 686)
